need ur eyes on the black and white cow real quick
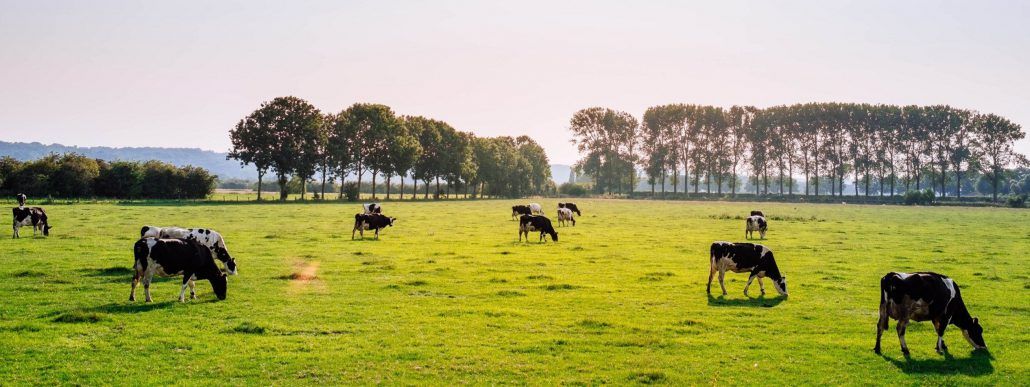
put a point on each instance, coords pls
(375, 222)
(520, 210)
(536, 208)
(745, 257)
(372, 208)
(755, 223)
(539, 223)
(21, 199)
(757, 212)
(30, 216)
(922, 297)
(565, 216)
(571, 206)
(207, 237)
(175, 257)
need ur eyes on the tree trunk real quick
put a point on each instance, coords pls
(323, 181)
(303, 188)
(388, 179)
(437, 196)
(414, 188)
(375, 174)
(427, 189)
(260, 177)
(402, 188)
(283, 190)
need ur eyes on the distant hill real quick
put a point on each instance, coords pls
(212, 161)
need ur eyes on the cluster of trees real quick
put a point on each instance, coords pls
(877, 147)
(292, 139)
(74, 175)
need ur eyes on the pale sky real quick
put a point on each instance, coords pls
(181, 73)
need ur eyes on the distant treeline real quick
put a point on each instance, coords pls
(75, 176)
(879, 148)
(291, 138)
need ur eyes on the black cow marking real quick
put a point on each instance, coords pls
(745, 257)
(539, 223)
(372, 208)
(757, 212)
(921, 297)
(375, 222)
(30, 216)
(174, 257)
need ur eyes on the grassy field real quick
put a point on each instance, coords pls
(448, 296)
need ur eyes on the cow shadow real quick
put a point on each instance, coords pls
(978, 363)
(760, 301)
(110, 274)
(131, 307)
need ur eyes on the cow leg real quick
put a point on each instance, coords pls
(711, 274)
(762, 233)
(902, 324)
(881, 325)
(761, 285)
(352, 233)
(377, 234)
(541, 237)
(748, 285)
(15, 227)
(186, 278)
(940, 326)
(135, 281)
(722, 282)
(149, 276)
(193, 289)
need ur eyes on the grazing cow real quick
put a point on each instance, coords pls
(565, 216)
(539, 223)
(375, 222)
(30, 216)
(755, 223)
(745, 257)
(571, 206)
(207, 237)
(174, 257)
(757, 212)
(520, 210)
(21, 199)
(372, 208)
(921, 297)
(536, 208)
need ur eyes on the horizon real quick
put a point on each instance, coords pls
(182, 74)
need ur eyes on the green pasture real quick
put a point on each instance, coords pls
(449, 296)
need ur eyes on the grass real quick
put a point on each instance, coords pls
(448, 296)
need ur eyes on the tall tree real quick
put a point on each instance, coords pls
(282, 133)
(605, 136)
(995, 137)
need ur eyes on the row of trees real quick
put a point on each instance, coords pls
(73, 175)
(878, 147)
(291, 138)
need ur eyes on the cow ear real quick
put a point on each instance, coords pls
(976, 320)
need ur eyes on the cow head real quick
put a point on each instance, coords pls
(223, 255)
(975, 334)
(554, 236)
(21, 200)
(46, 229)
(781, 285)
(219, 285)
(392, 219)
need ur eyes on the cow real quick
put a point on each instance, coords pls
(536, 208)
(755, 223)
(520, 210)
(745, 257)
(21, 199)
(174, 257)
(565, 216)
(925, 296)
(372, 208)
(539, 223)
(30, 216)
(375, 222)
(571, 206)
(757, 212)
(207, 237)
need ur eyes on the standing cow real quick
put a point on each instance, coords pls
(745, 257)
(375, 222)
(520, 210)
(755, 223)
(921, 297)
(565, 216)
(539, 223)
(30, 216)
(571, 206)
(536, 208)
(174, 257)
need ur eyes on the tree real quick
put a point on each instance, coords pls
(283, 135)
(370, 127)
(430, 163)
(604, 135)
(403, 150)
(994, 139)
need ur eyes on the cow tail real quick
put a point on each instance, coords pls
(884, 286)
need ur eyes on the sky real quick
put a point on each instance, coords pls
(182, 73)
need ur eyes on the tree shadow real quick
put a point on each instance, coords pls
(978, 363)
(760, 301)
